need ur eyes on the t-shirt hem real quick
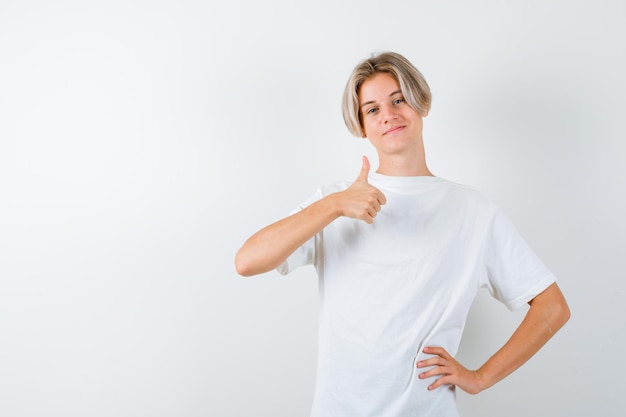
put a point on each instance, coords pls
(535, 291)
(283, 269)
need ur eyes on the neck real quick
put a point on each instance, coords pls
(403, 165)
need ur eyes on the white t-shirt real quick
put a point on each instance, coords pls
(407, 281)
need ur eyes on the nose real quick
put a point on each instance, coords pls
(389, 113)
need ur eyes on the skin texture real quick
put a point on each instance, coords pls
(393, 127)
(271, 246)
(395, 130)
(548, 312)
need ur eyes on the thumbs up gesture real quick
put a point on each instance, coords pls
(362, 200)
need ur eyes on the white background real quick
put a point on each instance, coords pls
(142, 142)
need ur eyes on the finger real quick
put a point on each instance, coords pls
(441, 381)
(439, 351)
(382, 199)
(434, 361)
(365, 169)
(437, 370)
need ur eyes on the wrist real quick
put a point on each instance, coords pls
(334, 206)
(483, 380)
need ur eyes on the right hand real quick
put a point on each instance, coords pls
(362, 200)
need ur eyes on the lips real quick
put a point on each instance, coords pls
(394, 129)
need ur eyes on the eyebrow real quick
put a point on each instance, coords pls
(372, 101)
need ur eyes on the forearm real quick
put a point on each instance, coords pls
(272, 245)
(547, 314)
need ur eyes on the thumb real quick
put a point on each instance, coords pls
(365, 170)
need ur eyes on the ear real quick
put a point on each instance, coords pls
(425, 113)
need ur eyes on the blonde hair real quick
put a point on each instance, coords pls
(414, 87)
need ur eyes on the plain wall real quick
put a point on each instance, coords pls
(142, 142)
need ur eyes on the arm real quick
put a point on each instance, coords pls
(547, 314)
(271, 246)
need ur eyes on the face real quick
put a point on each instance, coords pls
(389, 122)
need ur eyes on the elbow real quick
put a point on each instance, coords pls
(561, 310)
(553, 307)
(247, 264)
(242, 264)
(559, 315)
(250, 260)
(564, 313)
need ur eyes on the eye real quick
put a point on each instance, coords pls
(371, 110)
(399, 100)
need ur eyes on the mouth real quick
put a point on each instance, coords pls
(394, 130)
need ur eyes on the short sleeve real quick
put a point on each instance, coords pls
(515, 273)
(305, 254)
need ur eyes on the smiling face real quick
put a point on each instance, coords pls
(389, 122)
